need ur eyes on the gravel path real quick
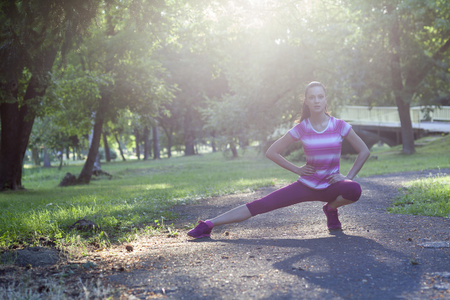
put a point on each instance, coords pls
(289, 253)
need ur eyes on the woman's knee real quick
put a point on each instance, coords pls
(351, 191)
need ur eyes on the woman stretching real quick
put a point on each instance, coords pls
(320, 180)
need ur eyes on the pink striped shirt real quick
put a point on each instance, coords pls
(322, 149)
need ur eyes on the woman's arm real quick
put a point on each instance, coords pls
(362, 150)
(274, 154)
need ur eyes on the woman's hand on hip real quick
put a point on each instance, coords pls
(306, 170)
(336, 178)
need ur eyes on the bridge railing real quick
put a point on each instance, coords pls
(441, 114)
(389, 114)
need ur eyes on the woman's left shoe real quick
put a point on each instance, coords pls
(333, 222)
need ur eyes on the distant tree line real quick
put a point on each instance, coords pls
(172, 75)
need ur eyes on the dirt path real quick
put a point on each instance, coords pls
(289, 253)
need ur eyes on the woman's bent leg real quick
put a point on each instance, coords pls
(343, 193)
(340, 201)
(340, 194)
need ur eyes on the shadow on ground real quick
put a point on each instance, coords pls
(335, 263)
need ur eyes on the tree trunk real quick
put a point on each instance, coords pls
(61, 159)
(234, 150)
(120, 146)
(106, 148)
(16, 124)
(86, 172)
(406, 125)
(189, 136)
(146, 143)
(156, 149)
(47, 163)
(10, 160)
(35, 155)
(189, 148)
(169, 145)
(398, 88)
(138, 140)
(169, 140)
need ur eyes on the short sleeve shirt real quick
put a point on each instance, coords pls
(322, 149)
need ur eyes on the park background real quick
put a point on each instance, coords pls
(154, 104)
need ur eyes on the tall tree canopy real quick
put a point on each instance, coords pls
(209, 69)
(32, 34)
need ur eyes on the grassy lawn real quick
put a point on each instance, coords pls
(429, 197)
(139, 196)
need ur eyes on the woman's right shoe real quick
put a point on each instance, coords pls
(333, 222)
(200, 231)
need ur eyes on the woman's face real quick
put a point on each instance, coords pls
(316, 100)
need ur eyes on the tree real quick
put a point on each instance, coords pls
(267, 52)
(123, 48)
(122, 130)
(412, 40)
(33, 33)
(156, 148)
(192, 73)
(229, 117)
(169, 123)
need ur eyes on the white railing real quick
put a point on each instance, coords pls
(441, 114)
(389, 114)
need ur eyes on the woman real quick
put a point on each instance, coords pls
(319, 179)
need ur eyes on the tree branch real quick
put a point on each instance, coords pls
(415, 77)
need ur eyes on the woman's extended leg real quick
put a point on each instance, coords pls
(204, 228)
(291, 194)
(238, 214)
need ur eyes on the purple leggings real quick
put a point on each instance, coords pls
(297, 192)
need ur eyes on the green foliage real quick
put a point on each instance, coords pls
(32, 30)
(422, 28)
(227, 117)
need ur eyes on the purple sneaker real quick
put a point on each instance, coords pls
(332, 218)
(200, 231)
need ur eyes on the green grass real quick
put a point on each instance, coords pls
(434, 153)
(139, 197)
(428, 197)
